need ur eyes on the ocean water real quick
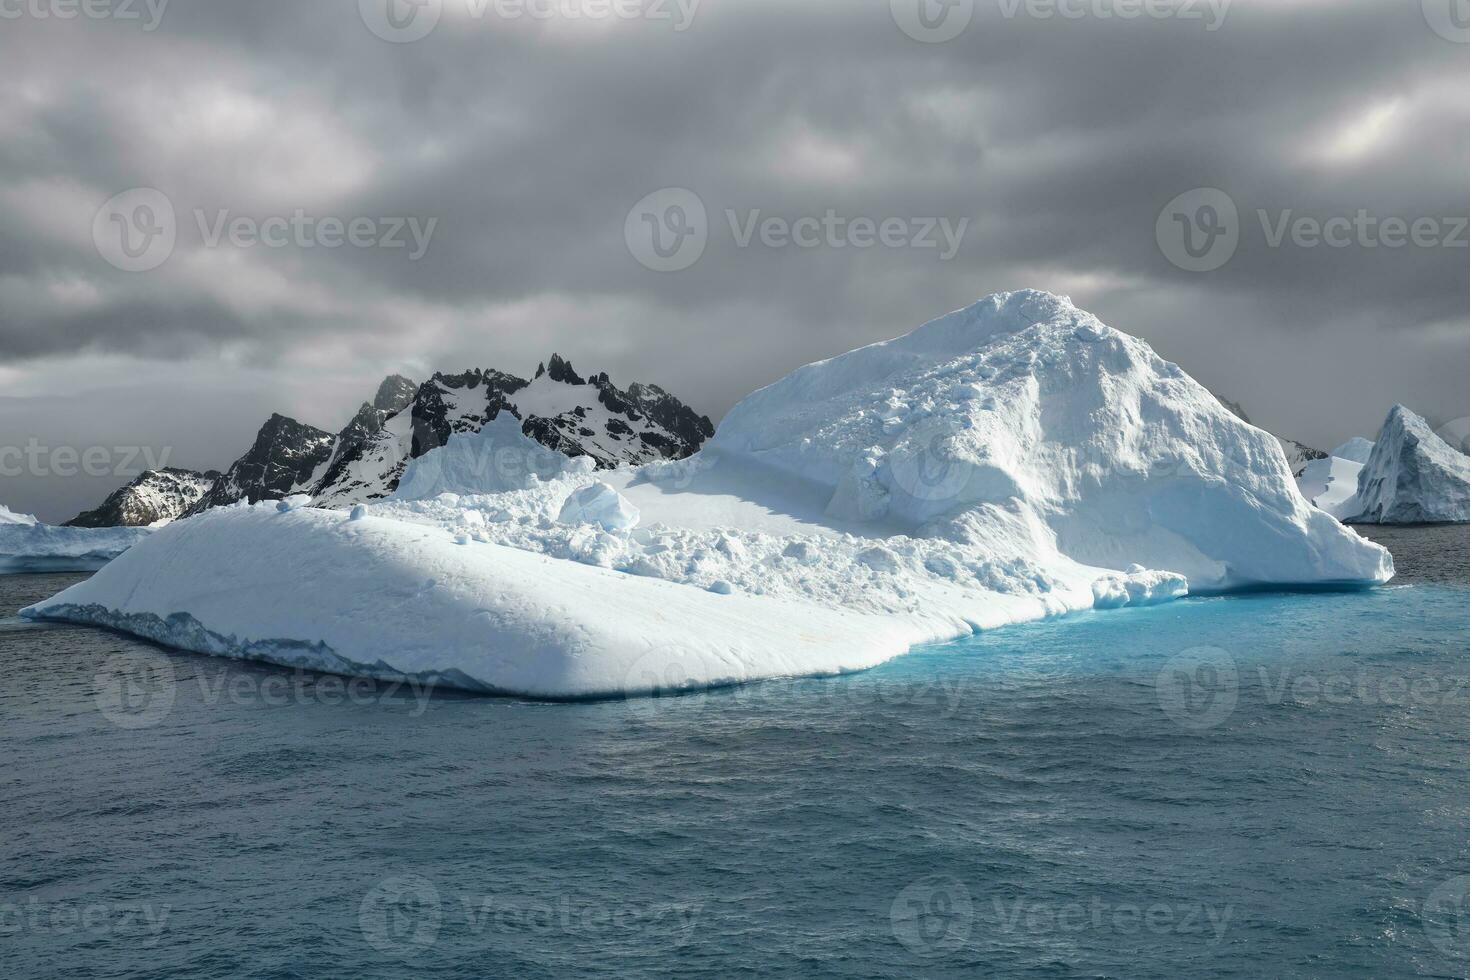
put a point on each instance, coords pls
(1262, 785)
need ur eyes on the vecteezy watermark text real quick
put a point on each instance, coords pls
(936, 916)
(406, 21)
(39, 460)
(138, 230)
(149, 12)
(401, 916)
(1201, 230)
(136, 920)
(669, 230)
(135, 691)
(937, 21)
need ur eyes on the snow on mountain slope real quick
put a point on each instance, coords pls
(1012, 461)
(1331, 485)
(40, 547)
(1413, 476)
(559, 409)
(155, 497)
(363, 434)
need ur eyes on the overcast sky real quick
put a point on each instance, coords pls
(518, 141)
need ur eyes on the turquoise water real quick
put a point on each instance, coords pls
(1265, 785)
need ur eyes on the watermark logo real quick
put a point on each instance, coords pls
(401, 21)
(1446, 917)
(933, 916)
(933, 21)
(1450, 19)
(656, 677)
(136, 231)
(933, 470)
(39, 460)
(401, 916)
(125, 10)
(1199, 230)
(1211, 13)
(1199, 688)
(134, 691)
(668, 230)
(405, 21)
(139, 922)
(1121, 918)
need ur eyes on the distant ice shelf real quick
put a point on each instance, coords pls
(37, 547)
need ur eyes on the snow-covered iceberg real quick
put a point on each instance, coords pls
(1012, 461)
(27, 545)
(8, 516)
(1412, 476)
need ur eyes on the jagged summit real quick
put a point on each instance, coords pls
(285, 455)
(558, 408)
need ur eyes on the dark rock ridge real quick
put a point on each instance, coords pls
(558, 408)
(157, 495)
(283, 460)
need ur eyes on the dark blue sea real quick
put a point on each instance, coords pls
(1261, 785)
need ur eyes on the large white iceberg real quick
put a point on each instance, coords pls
(1012, 461)
(1412, 477)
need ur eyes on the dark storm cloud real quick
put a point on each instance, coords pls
(1057, 139)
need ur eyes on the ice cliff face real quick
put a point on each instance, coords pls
(1024, 416)
(157, 495)
(1412, 476)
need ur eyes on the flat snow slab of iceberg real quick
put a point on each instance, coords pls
(317, 590)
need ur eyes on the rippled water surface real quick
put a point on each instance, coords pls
(1264, 785)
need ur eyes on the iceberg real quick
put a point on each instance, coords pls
(27, 545)
(8, 516)
(1012, 461)
(1412, 476)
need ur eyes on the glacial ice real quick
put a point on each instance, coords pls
(1012, 461)
(27, 545)
(1412, 477)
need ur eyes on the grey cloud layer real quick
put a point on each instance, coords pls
(1058, 139)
